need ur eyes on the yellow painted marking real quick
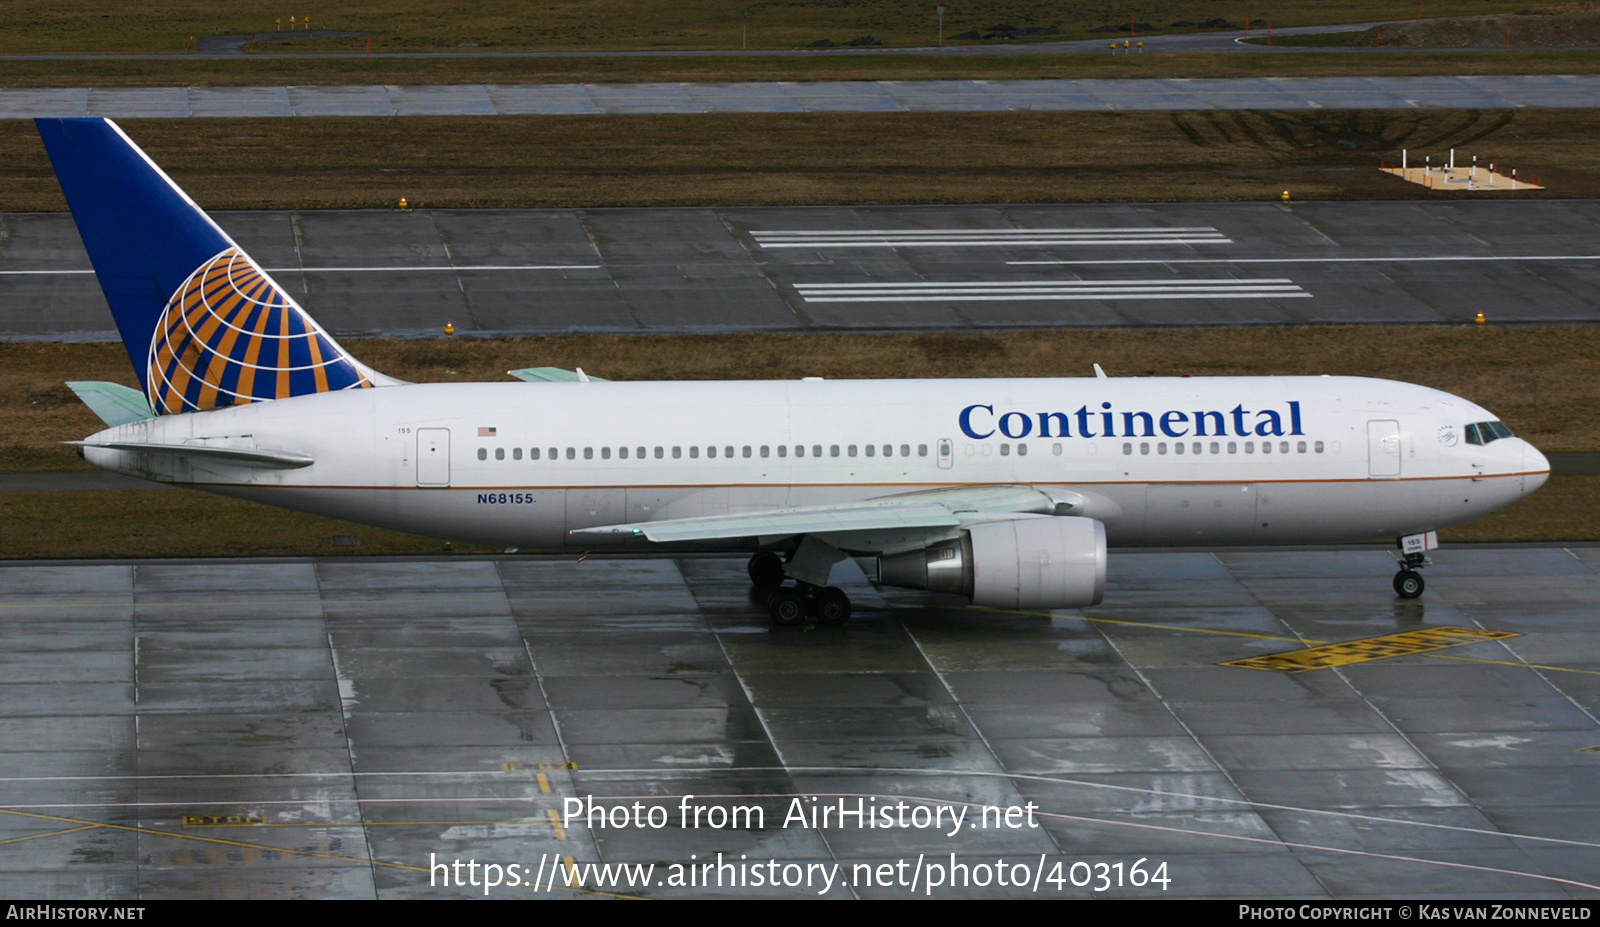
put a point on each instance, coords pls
(1593, 749)
(569, 766)
(271, 849)
(224, 820)
(544, 783)
(54, 833)
(555, 822)
(512, 767)
(1122, 622)
(1537, 666)
(572, 871)
(1372, 648)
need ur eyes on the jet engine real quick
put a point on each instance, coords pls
(1040, 562)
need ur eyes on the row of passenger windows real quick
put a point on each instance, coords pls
(710, 451)
(1199, 447)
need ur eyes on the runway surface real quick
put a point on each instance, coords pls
(508, 272)
(1254, 93)
(325, 728)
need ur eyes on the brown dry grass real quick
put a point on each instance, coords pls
(258, 71)
(820, 159)
(79, 26)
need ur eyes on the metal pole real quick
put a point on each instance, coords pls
(941, 25)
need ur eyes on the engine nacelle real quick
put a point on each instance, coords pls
(1041, 562)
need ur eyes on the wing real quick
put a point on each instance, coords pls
(948, 509)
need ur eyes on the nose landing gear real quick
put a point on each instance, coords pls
(1414, 549)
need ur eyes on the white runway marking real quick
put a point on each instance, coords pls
(968, 238)
(1266, 288)
(1420, 259)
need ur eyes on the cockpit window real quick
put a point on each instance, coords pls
(1484, 432)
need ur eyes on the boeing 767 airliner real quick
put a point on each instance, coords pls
(1005, 491)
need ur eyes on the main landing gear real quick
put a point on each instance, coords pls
(787, 605)
(1408, 582)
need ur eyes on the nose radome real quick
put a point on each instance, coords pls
(1536, 466)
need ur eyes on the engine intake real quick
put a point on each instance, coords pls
(1038, 562)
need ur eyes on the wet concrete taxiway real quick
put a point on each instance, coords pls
(329, 728)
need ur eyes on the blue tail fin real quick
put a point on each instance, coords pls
(204, 325)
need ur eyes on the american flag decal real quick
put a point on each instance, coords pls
(485, 432)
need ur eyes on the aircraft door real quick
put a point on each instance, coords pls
(947, 454)
(433, 457)
(1383, 449)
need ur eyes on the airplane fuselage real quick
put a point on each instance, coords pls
(1160, 461)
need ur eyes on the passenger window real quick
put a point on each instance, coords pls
(1127, 448)
(799, 450)
(1177, 447)
(1022, 450)
(1266, 447)
(871, 449)
(533, 453)
(783, 450)
(711, 451)
(765, 451)
(833, 450)
(1302, 447)
(605, 453)
(588, 453)
(1055, 449)
(851, 450)
(1233, 447)
(516, 453)
(622, 452)
(677, 452)
(1197, 447)
(922, 450)
(1249, 447)
(747, 451)
(659, 452)
(483, 453)
(816, 451)
(728, 452)
(1144, 447)
(641, 453)
(1283, 447)
(1005, 450)
(572, 453)
(694, 452)
(1161, 447)
(1217, 448)
(905, 450)
(1317, 447)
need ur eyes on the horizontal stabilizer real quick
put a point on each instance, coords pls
(553, 375)
(255, 457)
(114, 403)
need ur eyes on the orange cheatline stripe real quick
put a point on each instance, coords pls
(1068, 483)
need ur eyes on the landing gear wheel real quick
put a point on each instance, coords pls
(787, 607)
(1408, 584)
(832, 607)
(766, 570)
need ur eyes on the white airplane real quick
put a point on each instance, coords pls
(1005, 491)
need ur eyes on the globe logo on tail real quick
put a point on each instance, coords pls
(230, 336)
